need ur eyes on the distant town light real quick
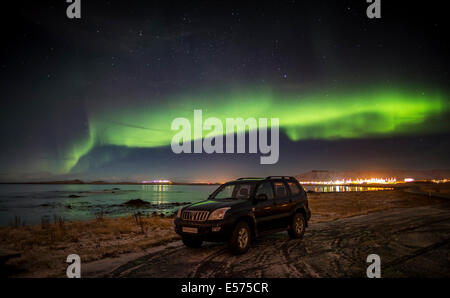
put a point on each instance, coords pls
(354, 181)
(156, 181)
(408, 179)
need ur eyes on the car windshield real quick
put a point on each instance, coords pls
(234, 191)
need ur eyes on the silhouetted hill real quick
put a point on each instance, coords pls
(75, 181)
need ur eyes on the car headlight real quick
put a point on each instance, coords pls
(179, 213)
(218, 213)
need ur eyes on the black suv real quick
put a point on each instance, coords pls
(240, 210)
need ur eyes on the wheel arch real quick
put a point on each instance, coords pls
(301, 210)
(249, 220)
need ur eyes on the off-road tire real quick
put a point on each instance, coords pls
(240, 239)
(297, 227)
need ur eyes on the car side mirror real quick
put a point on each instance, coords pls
(261, 197)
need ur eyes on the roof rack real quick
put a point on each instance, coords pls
(268, 177)
(280, 177)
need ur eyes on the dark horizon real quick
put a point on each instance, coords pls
(419, 175)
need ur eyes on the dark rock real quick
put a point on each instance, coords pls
(137, 203)
(75, 196)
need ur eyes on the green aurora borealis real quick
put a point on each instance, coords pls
(303, 116)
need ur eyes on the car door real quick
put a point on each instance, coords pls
(281, 210)
(264, 210)
(295, 196)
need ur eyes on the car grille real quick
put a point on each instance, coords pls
(194, 215)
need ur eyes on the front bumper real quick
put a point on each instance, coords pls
(209, 230)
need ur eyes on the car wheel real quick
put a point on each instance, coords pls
(298, 225)
(240, 238)
(192, 242)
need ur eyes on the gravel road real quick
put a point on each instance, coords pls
(412, 242)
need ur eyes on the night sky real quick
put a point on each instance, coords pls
(94, 98)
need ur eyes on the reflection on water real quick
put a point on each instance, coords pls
(343, 188)
(158, 192)
(33, 202)
(155, 188)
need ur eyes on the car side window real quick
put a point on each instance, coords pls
(280, 189)
(294, 188)
(225, 192)
(242, 191)
(265, 188)
(235, 191)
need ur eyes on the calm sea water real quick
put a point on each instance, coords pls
(32, 203)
